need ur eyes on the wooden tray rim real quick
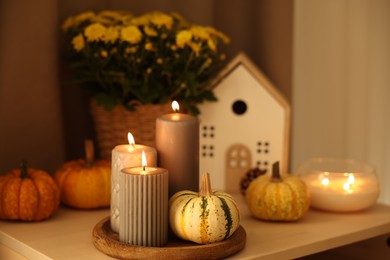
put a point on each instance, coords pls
(107, 241)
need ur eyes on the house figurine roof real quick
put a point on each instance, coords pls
(247, 127)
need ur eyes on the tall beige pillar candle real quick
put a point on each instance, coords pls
(123, 156)
(144, 206)
(177, 144)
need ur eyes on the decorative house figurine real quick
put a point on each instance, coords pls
(248, 126)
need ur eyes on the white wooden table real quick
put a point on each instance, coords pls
(67, 235)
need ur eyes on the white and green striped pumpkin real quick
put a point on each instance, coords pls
(278, 198)
(204, 217)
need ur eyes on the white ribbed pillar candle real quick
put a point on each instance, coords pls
(143, 196)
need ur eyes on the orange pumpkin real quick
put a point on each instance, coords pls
(85, 184)
(278, 198)
(28, 194)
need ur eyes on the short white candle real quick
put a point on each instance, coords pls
(124, 156)
(341, 192)
(144, 206)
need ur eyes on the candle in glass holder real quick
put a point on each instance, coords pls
(340, 185)
(143, 205)
(177, 144)
(123, 156)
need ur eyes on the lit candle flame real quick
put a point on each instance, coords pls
(346, 186)
(175, 106)
(325, 181)
(351, 178)
(131, 139)
(144, 162)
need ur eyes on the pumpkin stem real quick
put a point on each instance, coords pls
(23, 169)
(276, 172)
(89, 152)
(205, 185)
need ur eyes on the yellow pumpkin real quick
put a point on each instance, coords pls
(28, 194)
(204, 217)
(278, 198)
(85, 184)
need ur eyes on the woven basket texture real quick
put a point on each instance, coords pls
(111, 127)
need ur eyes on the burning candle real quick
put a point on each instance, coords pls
(143, 204)
(177, 144)
(340, 185)
(123, 156)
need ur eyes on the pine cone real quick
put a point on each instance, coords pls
(250, 175)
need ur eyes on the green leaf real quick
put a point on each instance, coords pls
(107, 101)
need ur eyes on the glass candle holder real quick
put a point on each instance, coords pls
(340, 185)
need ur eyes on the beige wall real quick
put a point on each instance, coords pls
(341, 82)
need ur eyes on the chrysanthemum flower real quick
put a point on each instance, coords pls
(95, 32)
(183, 38)
(160, 20)
(150, 31)
(131, 34)
(111, 35)
(78, 42)
(200, 32)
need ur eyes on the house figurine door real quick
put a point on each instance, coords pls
(238, 161)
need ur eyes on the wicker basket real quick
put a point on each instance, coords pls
(111, 127)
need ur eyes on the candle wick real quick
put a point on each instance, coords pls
(144, 168)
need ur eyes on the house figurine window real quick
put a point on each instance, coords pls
(247, 127)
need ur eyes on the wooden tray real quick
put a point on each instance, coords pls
(107, 241)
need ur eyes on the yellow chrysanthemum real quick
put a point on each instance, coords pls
(161, 19)
(78, 42)
(182, 21)
(115, 17)
(141, 20)
(148, 46)
(111, 14)
(150, 31)
(195, 47)
(131, 34)
(183, 38)
(218, 34)
(74, 21)
(212, 45)
(83, 17)
(200, 32)
(111, 35)
(95, 32)
(102, 20)
(131, 50)
(69, 22)
(104, 53)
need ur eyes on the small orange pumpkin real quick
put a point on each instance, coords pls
(85, 184)
(28, 194)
